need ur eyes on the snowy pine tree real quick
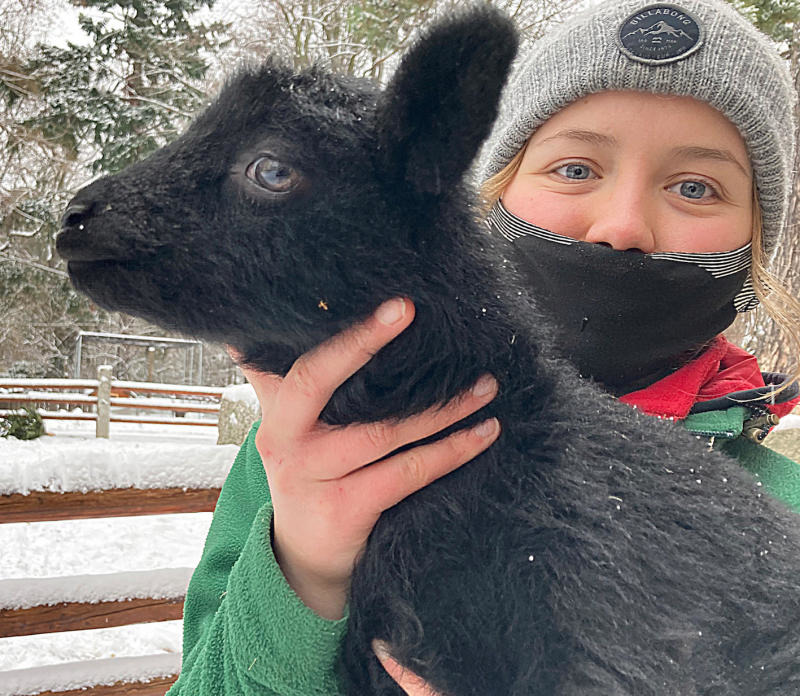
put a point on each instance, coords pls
(69, 112)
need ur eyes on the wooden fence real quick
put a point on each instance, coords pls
(79, 615)
(73, 616)
(112, 400)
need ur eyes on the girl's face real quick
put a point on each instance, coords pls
(634, 170)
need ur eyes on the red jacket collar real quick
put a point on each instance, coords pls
(721, 369)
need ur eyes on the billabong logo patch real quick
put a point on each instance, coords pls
(660, 34)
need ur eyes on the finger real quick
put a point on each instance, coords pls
(315, 375)
(386, 483)
(369, 442)
(409, 682)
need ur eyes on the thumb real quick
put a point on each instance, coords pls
(265, 384)
(409, 682)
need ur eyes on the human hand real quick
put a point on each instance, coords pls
(409, 682)
(325, 498)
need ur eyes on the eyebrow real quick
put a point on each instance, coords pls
(585, 136)
(709, 153)
(685, 152)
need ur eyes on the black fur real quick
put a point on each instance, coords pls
(591, 551)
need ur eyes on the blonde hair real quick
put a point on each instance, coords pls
(773, 296)
(493, 187)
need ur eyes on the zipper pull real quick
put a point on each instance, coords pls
(758, 427)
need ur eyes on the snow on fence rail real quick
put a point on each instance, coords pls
(30, 606)
(149, 675)
(99, 478)
(36, 606)
(105, 393)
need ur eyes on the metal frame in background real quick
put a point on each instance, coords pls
(149, 342)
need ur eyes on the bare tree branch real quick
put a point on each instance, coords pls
(5, 258)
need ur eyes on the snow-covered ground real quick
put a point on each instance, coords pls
(790, 421)
(51, 555)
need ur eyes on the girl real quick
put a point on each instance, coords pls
(640, 171)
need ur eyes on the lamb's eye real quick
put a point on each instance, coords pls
(273, 175)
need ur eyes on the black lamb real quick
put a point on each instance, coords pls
(592, 550)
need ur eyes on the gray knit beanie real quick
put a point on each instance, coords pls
(699, 48)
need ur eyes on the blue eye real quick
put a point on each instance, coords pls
(575, 171)
(694, 190)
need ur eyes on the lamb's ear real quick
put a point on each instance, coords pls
(440, 104)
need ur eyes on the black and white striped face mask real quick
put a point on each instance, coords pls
(627, 318)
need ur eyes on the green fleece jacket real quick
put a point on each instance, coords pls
(246, 632)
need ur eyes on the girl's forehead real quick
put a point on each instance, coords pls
(659, 122)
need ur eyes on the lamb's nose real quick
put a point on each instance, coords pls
(75, 214)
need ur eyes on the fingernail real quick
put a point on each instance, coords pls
(380, 649)
(483, 386)
(391, 312)
(487, 428)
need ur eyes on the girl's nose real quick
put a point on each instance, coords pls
(623, 218)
